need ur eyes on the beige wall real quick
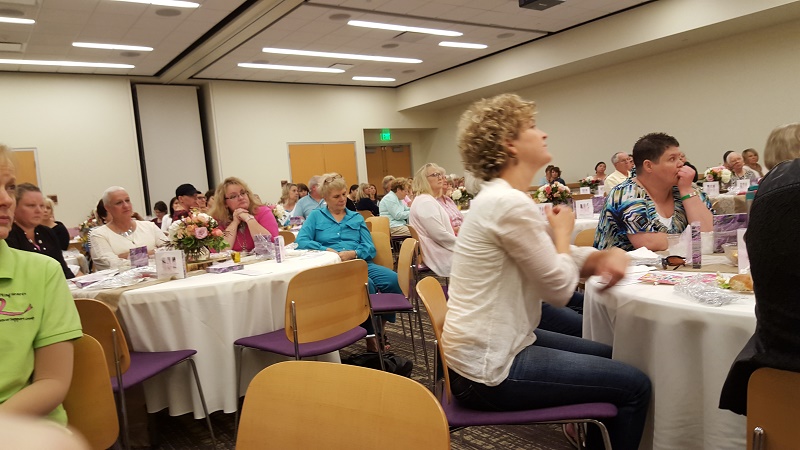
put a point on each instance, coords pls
(721, 95)
(83, 128)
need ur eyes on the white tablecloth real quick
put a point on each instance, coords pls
(208, 313)
(686, 349)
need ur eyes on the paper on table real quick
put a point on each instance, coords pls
(632, 275)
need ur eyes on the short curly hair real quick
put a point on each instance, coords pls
(783, 144)
(485, 127)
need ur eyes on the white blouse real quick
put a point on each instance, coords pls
(436, 236)
(106, 244)
(504, 265)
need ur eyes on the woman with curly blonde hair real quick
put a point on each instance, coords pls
(497, 360)
(240, 215)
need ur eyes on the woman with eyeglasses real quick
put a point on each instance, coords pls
(430, 219)
(240, 215)
(508, 259)
(335, 228)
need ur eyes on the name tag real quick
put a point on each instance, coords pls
(585, 190)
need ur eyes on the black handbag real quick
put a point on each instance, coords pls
(394, 364)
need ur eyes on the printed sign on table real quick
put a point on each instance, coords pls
(584, 209)
(170, 263)
(711, 188)
(585, 190)
(138, 257)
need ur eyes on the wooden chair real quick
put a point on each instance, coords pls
(325, 307)
(90, 401)
(288, 237)
(342, 407)
(383, 246)
(773, 402)
(458, 416)
(369, 226)
(585, 238)
(129, 368)
(380, 224)
(365, 213)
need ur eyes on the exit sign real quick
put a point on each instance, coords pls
(386, 134)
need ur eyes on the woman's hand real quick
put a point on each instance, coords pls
(562, 221)
(347, 255)
(609, 264)
(241, 215)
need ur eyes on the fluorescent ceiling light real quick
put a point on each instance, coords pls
(112, 46)
(373, 79)
(285, 51)
(34, 62)
(294, 68)
(461, 45)
(16, 20)
(173, 3)
(388, 26)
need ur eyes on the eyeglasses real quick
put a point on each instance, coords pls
(436, 175)
(331, 178)
(673, 261)
(235, 196)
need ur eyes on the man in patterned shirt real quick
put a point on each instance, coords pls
(659, 200)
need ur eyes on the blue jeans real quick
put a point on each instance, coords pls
(383, 280)
(561, 370)
(564, 320)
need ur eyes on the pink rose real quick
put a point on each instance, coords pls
(709, 177)
(217, 232)
(201, 232)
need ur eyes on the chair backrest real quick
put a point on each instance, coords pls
(585, 238)
(365, 213)
(90, 402)
(309, 404)
(432, 296)
(369, 226)
(576, 185)
(773, 404)
(380, 224)
(405, 268)
(329, 301)
(288, 237)
(98, 320)
(383, 249)
(413, 232)
(582, 196)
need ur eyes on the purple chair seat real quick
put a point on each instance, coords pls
(277, 342)
(145, 365)
(459, 416)
(389, 302)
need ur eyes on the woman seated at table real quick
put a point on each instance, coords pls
(49, 220)
(111, 243)
(772, 247)
(431, 221)
(660, 199)
(241, 216)
(367, 199)
(336, 229)
(392, 206)
(28, 233)
(289, 198)
(39, 322)
(751, 160)
(506, 262)
(160, 210)
(600, 171)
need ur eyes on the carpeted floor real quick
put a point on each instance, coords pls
(184, 432)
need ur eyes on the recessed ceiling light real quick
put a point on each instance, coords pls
(461, 45)
(505, 35)
(294, 68)
(388, 26)
(373, 79)
(390, 45)
(34, 62)
(409, 71)
(16, 20)
(286, 51)
(172, 3)
(112, 46)
(339, 16)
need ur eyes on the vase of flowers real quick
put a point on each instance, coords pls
(555, 193)
(461, 197)
(280, 214)
(718, 173)
(196, 234)
(590, 182)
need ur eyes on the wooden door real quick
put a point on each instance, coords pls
(392, 160)
(307, 160)
(25, 166)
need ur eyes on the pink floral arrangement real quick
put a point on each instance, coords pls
(719, 173)
(196, 231)
(554, 193)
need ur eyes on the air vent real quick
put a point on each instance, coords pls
(342, 66)
(15, 47)
(539, 5)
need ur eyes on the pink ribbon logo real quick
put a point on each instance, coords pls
(9, 313)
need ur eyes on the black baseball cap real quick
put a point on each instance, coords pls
(186, 189)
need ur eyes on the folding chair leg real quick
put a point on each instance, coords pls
(126, 438)
(403, 325)
(238, 358)
(422, 337)
(203, 401)
(411, 332)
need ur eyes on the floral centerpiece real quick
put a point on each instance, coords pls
(281, 216)
(590, 182)
(719, 173)
(555, 193)
(196, 234)
(461, 197)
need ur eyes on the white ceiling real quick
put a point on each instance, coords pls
(208, 42)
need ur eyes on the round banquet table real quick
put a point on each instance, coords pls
(208, 312)
(686, 348)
